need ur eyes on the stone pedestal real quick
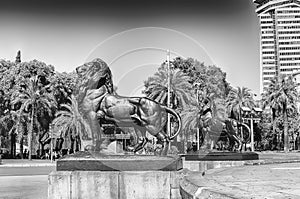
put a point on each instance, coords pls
(94, 175)
(221, 156)
(203, 161)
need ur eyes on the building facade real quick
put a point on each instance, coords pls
(279, 38)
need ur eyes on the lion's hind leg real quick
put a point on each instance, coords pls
(141, 139)
(165, 143)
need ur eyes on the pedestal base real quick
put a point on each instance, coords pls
(114, 184)
(95, 175)
(221, 156)
(95, 161)
(202, 161)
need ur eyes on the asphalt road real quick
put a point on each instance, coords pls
(24, 182)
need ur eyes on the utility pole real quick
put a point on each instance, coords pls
(252, 133)
(51, 143)
(169, 92)
(198, 129)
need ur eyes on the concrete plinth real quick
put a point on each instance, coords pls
(91, 175)
(94, 161)
(114, 184)
(211, 160)
(221, 156)
(202, 166)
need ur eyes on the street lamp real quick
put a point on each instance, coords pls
(251, 115)
(51, 141)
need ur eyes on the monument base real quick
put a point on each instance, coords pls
(221, 156)
(96, 161)
(114, 184)
(202, 161)
(95, 175)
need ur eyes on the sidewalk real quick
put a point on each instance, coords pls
(26, 163)
(275, 175)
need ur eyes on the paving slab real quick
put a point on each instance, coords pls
(275, 175)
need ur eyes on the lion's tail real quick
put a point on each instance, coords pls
(171, 111)
(249, 131)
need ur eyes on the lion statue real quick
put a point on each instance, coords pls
(100, 104)
(222, 130)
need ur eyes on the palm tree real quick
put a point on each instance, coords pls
(281, 96)
(180, 88)
(191, 120)
(69, 122)
(31, 99)
(237, 98)
(270, 101)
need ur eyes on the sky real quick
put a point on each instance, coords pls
(133, 36)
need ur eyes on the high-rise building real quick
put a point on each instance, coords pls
(279, 38)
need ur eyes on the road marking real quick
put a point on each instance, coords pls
(287, 168)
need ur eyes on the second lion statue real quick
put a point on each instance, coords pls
(99, 103)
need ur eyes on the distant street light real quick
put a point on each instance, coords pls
(51, 142)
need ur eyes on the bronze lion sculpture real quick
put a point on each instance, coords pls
(100, 104)
(222, 130)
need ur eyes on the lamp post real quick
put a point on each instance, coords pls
(169, 91)
(51, 142)
(198, 129)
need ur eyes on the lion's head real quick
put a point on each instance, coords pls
(92, 74)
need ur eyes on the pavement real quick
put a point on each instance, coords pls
(26, 163)
(275, 175)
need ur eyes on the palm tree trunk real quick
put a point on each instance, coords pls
(276, 145)
(285, 131)
(21, 147)
(13, 145)
(273, 121)
(30, 135)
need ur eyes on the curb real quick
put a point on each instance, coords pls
(189, 190)
(27, 165)
(265, 162)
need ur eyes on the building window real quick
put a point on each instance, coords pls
(267, 27)
(288, 22)
(290, 53)
(289, 58)
(269, 57)
(268, 73)
(286, 69)
(288, 32)
(267, 37)
(268, 52)
(267, 42)
(268, 62)
(289, 64)
(290, 48)
(289, 42)
(267, 47)
(267, 78)
(268, 68)
(290, 37)
(288, 27)
(288, 11)
(267, 32)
